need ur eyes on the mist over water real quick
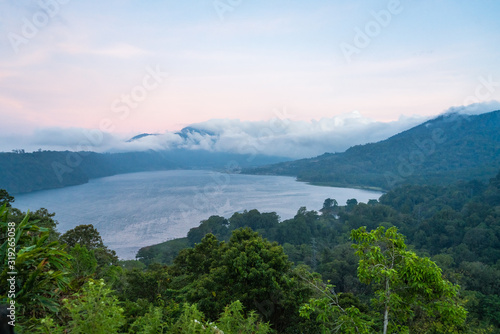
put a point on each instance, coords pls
(140, 209)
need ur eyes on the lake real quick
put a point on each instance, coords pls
(140, 209)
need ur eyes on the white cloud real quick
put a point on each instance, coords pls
(475, 108)
(298, 139)
(278, 136)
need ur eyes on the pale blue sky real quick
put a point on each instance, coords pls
(261, 56)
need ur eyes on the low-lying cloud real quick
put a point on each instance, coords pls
(277, 137)
(475, 108)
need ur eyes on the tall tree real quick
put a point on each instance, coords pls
(84, 235)
(248, 268)
(87, 236)
(410, 290)
(330, 206)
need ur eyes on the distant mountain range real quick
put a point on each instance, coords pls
(184, 134)
(448, 148)
(142, 135)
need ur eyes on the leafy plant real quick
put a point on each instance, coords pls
(42, 267)
(151, 323)
(92, 311)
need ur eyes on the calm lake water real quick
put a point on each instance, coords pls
(140, 209)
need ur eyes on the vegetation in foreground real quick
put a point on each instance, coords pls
(346, 270)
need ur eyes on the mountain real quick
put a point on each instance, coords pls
(189, 131)
(142, 135)
(184, 133)
(448, 148)
(25, 172)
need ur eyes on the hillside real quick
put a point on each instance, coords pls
(454, 225)
(25, 172)
(448, 148)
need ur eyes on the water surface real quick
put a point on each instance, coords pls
(140, 209)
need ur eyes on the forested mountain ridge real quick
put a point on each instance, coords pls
(446, 149)
(22, 172)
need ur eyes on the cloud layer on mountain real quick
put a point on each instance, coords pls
(280, 136)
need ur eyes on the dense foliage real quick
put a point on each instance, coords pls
(422, 259)
(441, 151)
(457, 226)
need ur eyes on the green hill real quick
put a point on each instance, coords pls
(25, 172)
(446, 149)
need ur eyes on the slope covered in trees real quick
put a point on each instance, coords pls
(447, 149)
(22, 172)
(457, 226)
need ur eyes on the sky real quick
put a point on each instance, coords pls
(306, 76)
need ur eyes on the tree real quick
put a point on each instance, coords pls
(248, 268)
(42, 217)
(330, 203)
(83, 262)
(330, 206)
(409, 289)
(84, 235)
(87, 236)
(254, 219)
(335, 312)
(45, 219)
(149, 285)
(216, 225)
(254, 269)
(5, 198)
(351, 203)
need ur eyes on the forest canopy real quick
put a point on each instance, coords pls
(421, 259)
